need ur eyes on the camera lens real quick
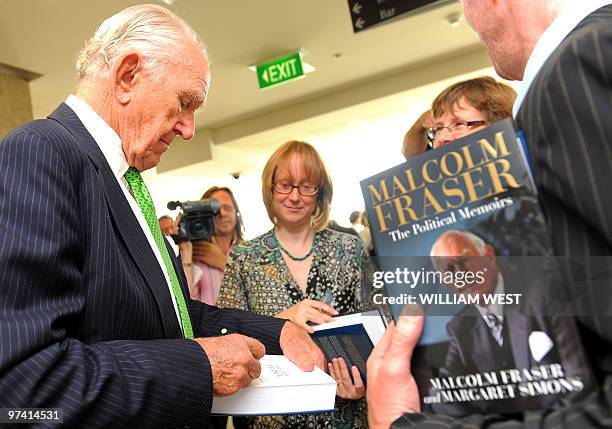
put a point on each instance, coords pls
(199, 228)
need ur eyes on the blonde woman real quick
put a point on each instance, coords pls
(302, 271)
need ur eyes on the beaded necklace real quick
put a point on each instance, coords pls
(315, 239)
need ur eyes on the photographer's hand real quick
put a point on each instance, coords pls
(175, 224)
(209, 253)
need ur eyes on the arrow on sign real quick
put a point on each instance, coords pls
(264, 75)
(357, 8)
(360, 23)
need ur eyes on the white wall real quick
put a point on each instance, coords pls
(353, 150)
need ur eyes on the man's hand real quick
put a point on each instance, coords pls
(234, 361)
(209, 253)
(392, 390)
(299, 348)
(308, 310)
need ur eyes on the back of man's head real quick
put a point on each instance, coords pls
(355, 217)
(165, 224)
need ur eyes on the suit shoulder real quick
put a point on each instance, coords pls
(594, 32)
(41, 146)
(40, 128)
(39, 132)
(578, 64)
(464, 317)
(598, 18)
(43, 137)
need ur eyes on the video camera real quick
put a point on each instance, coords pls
(197, 219)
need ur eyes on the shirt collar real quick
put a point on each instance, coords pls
(495, 308)
(570, 16)
(106, 138)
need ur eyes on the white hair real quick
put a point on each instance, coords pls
(151, 30)
(473, 238)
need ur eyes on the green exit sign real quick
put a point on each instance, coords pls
(280, 70)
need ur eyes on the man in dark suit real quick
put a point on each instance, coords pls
(525, 332)
(561, 51)
(95, 318)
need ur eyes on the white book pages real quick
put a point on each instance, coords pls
(282, 388)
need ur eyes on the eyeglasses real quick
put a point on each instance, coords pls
(286, 188)
(457, 126)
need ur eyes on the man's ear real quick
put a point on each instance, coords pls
(126, 75)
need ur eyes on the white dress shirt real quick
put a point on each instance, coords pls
(571, 15)
(496, 308)
(110, 145)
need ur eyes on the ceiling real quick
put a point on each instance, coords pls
(44, 36)
(361, 79)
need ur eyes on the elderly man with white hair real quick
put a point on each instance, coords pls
(561, 50)
(95, 316)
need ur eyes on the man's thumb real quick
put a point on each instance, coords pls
(407, 331)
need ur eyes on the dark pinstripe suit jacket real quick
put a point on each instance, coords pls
(86, 318)
(567, 119)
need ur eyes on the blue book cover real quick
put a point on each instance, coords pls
(348, 342)
(459, 232)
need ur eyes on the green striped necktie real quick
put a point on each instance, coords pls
(143, 198)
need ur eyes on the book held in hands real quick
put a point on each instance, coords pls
(351, 337)
(458, 231)
(282, 388)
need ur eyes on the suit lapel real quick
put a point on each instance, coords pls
(180, 273)
(130, 232)
(125, 222)
(515, 321)
(516, 324)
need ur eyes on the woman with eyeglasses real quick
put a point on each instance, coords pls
(459, 110)
(302, 271)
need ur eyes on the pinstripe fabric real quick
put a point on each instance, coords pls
(143, 198)
(567, 120)
(86, 320)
